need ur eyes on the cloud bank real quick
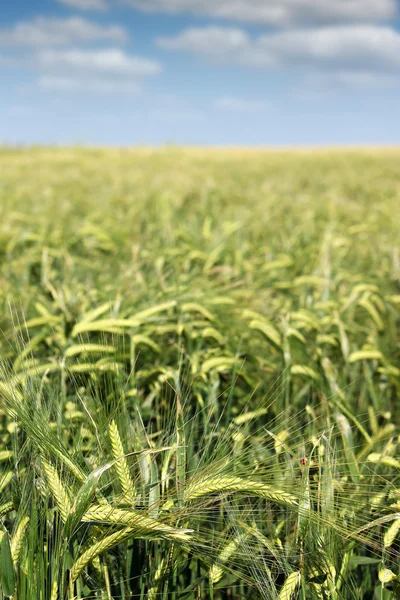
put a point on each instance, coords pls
(45, 31)
(279, 13)
(353, 47)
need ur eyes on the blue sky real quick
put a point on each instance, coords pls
(200, 72)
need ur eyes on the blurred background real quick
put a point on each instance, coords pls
(231, 72)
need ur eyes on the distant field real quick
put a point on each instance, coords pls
(219, 330)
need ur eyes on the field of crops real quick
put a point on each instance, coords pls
(200, 374)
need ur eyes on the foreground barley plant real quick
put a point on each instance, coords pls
(199, 375)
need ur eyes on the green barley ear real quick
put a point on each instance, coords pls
(290, 586)
(159, 577)
(140, 527)
(121, 464)
(98, 548)
(217, 570)
(6, 508)
(5, 480)
(391, 533)
(54, 590)
(58, 491)
(18, 540)
(228, 485)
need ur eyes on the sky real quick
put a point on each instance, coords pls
(200, 72)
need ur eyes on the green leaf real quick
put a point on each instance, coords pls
(348, 443)
(7, 578)
(83, 499)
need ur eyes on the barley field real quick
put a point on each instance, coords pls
(200, 374)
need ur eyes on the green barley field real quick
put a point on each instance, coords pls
(200, 374)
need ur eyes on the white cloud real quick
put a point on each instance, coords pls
(337, 80)
(98, 5)
(355, 47)
(344, 45)
(367, 79)
(281, 13)
(113, 62)
(241, 105)
(215, 42)
(43, 31)
(55, 83)
(39, 47)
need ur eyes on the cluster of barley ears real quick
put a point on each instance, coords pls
(128, 510)
(199, 393)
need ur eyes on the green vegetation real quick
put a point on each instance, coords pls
(200, 375)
